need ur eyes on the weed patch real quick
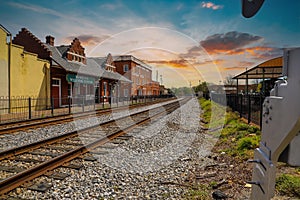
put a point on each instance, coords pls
(288, 185)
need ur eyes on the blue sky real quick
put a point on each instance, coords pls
(184, 40)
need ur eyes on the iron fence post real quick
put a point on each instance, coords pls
(94, 103)
(241, 106)
(29, 108)
(52, 106)
(102, 102)
(261, 110)
(249, 109)
(69, 104)
(83, 104)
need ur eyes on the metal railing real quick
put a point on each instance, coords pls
(249, 106)
(21, 108)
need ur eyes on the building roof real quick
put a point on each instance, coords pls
(269, 69)
(99, 63)
(63, 49)
(131, 58)
(93, 67)
(5, 30)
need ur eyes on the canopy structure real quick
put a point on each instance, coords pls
(268, 69)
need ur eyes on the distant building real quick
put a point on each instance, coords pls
(163, 90)
(139, 73)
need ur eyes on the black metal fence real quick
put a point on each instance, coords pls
(249, 106)
(21, 108)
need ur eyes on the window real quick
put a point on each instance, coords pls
(105, 88)
(55, 82)
(87, 89)
(70, 89)
(125, 68)
(77, 87)
(125, 92)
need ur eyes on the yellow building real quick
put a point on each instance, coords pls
(4, 57)
(22, 74)
(29, 75)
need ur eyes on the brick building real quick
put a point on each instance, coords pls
(139, 73)
(72, 73)
(111, 83)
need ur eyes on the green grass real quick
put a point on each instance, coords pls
(288, 185)
(201, 192)
(213, 115)
(237, 137)
(238, 140)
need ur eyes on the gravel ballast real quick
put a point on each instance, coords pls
(158, 161)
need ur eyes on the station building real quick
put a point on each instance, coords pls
(32, 68)
(72, 74)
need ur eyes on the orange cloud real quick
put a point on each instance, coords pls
(181, 63)
(88, 40)
(228, 42)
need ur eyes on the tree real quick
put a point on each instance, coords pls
(229, 80)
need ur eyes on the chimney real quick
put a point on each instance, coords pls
(50, 40)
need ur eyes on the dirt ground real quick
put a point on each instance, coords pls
(230, 175)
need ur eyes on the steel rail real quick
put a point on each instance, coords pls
(24, 148)
(66, 117)
(15, 181)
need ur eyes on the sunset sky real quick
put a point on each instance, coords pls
(185, 41)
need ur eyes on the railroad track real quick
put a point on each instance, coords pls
(43, 156)
(34, 123)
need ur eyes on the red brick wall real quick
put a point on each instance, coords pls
(31, 43)
(77, 49)
(140, 81)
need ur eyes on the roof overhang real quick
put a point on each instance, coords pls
(268, 69)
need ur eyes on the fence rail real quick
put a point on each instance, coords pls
(20, 109)
(249, 106)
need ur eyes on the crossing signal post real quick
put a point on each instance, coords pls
(280, 129)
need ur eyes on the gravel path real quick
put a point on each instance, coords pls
(157, 162)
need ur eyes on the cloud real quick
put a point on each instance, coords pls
(193, 52)
(88, 40)
(180, 63)
(179, 6)
(211, 5)
(111, 6)
(241, 65)
(264, 52)
(36, 8)
(227, 42)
